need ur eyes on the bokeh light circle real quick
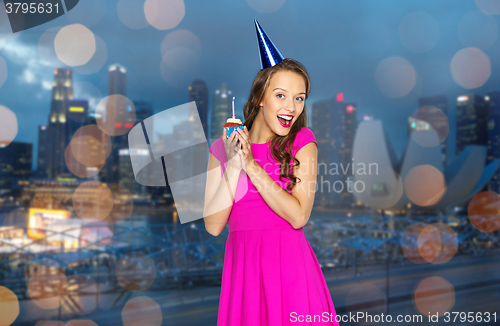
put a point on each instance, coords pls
(490, 7)
(8, 126)
(437, 120)
(3, 71)
(477, 29)
(141, 310)
(93, 200)
(449, 243)
(90, 146)
(135, 271)
(97, 61)
(470, 68)
(181, 58)
(9, 306)
(424, 185)
(78, 168)
(419, 32)
(83, 294)
(131, 13)
(433, 295)
(409, 243)
(75, 45)
(395, 77)
(429, 243)
(48, 286)
(37, 264)
(484, 211)
(266, 6)
(115, 114)
(164, 14)
(123, 203)
(180, 38)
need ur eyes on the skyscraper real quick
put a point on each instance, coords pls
(62, 90)
(328, 126)
(429, 111)
(76, 112)
(15, 163)
(221, 111)
(117, 81)
(350, 124)
(472, 121)
(42, 156)
(493, 104)
(198, 92)
(143, 110)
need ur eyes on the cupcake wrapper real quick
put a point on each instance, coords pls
(229, 130)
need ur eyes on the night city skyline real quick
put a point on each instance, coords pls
(112, 210)
(346, 61)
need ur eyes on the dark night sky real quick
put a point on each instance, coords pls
(341, 43)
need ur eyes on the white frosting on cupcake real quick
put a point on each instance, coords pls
(231, 120)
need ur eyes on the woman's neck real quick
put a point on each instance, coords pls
(260, 132)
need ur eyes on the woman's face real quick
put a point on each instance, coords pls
(283, 101)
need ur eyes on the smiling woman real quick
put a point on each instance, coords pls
(270, 270)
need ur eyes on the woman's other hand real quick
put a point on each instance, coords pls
(232, 147)
(245, 152)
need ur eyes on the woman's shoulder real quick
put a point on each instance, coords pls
(303, 137)
(306, 132)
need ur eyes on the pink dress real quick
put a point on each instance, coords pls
(270, 275)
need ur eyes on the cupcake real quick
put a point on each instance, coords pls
(231, 125)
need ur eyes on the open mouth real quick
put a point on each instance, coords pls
(285, 120)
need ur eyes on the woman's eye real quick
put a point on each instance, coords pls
(280, 95)
(300, 98)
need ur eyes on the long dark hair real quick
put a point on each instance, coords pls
(283, 152)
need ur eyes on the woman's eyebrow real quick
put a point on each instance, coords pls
(286, 90)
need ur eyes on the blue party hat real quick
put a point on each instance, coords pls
(269, 54)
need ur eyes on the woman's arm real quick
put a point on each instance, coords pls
(219, 196)
(297, 206)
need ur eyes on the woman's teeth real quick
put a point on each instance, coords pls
(285, 120)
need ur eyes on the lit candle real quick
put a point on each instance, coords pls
(233, 108)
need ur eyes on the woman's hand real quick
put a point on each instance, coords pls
(245, 152)
(232, 147)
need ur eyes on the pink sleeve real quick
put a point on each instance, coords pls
(218, 151)
(304, 137)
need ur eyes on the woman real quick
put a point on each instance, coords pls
(270, 275)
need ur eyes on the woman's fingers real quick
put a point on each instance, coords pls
(244, 143)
